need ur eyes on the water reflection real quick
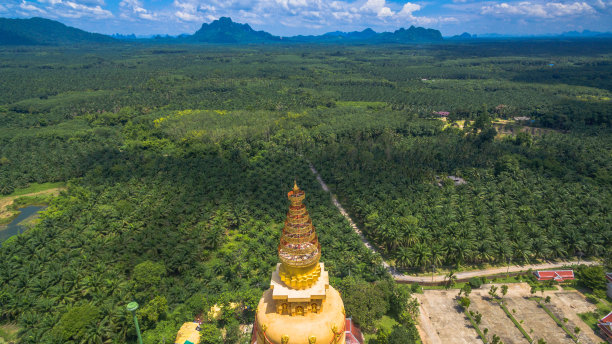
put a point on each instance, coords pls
(15, 227)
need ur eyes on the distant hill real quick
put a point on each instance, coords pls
(412, 34)
(224, 30)
(586, 33)
(462, 37)
(41, 31)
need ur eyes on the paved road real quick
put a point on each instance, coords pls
(400, 277)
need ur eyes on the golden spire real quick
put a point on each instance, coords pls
(299, 249)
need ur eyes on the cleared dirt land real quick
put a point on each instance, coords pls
(496, 320)
(535, 318)
(568, 304)
(442, 321)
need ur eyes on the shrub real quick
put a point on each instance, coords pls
(592, 299)
(365, 302)
(475, 282)
(592, 277)
(465, 302)
(148, 273)
(402, 335)
(73, 324)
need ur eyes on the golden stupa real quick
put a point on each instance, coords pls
(300, 307)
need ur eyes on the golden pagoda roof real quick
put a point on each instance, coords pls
(299, 250)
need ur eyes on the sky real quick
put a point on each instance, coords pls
(292, 17)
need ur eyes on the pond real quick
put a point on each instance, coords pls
(15, 226)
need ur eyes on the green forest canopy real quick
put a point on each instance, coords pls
(178, 160)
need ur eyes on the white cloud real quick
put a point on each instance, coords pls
(69, 8)
(186, 16)
(79, 10)
(408, 8)
(539, 10)
(30, 8)
(134, 8)
(2, 8)
(191, 11)
(378, 7)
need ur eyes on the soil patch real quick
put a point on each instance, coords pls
(442, 321)
(496, 320)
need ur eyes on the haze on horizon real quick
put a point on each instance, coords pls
(294, 17)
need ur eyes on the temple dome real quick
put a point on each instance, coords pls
(299, 329)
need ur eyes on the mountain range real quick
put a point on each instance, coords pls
(41, 31)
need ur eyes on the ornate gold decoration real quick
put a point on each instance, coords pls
(285, 339)
(312, 340)
(337, 333)
(264, 327)
(299, 249)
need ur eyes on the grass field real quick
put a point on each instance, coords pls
(386, 323)
(35, 194)
(34, 187)
(8, 333)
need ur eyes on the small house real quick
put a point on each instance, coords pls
(555, 275)
(605, 327)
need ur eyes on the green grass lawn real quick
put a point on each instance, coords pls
(35, 187)
(385, 322)
(592, 318)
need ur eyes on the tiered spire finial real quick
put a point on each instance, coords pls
(299, 249)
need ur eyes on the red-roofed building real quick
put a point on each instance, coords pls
(609, 278)
(556, 275)
(605, 326)
(353, 333)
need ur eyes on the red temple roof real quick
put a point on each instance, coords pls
(557, 275)
(609, 277)
(353, 333)
(605, 324)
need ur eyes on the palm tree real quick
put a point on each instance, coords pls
(421, 255)
(403, 257)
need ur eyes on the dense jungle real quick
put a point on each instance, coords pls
(177, 160)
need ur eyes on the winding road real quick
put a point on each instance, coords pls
(400, 277)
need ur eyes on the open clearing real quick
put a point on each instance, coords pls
(495, 319)
(568, 304)
(442, 321)
(6, 202)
